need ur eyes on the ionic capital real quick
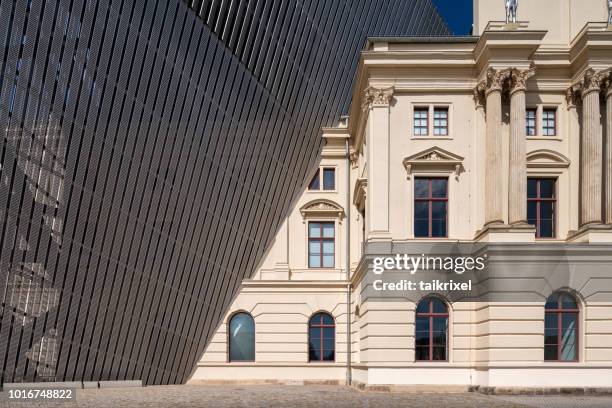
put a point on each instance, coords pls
(377, 97)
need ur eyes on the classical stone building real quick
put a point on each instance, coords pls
(501, 140)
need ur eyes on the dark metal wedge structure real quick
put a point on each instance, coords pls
(149, 151)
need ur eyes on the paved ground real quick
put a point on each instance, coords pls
(254, 396)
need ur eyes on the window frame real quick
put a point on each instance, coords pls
(430, 315)
(546, 109)
(424, 108)
(535, 122)
(320, 175)
(321, 326)
(321, 240)
(429, 199)
(538, 200)
(229, 337)
(560, 311)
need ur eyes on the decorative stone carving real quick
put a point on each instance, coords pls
(360, 193)
(572, 97)
(592, 81)
(434, 157)
(494, 81)
(518, 78)
(377, 97)
(322, 208)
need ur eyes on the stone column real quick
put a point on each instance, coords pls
(591, 151)
(377, 101)
(517, 197)
(573, 101)
(608, 162)
(493, 145)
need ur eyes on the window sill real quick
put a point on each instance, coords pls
(431, 137)
(322, 191)
(555, 138)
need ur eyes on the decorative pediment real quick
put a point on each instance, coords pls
(434, 157)
(544, 158)
(322, 208)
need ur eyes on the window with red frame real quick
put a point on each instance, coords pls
(541, 203)
(321, 244)
(430, 207)
(321, 338)
(431, 336)
(561, 328)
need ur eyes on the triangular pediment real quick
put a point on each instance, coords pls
(322, 207)
(434, 157)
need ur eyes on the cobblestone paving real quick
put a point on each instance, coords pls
(255, 396)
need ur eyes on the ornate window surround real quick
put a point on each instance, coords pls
(433, 158)
(322, 208)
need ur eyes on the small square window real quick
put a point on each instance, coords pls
(440, 121)
(530, 122)
(421, 121)
(549, 122)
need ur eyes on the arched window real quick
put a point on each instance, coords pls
(431, 339)
(242, 337)
(561, 327)
(321, 338)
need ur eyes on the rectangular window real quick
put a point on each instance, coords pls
(421, 121)
(321, 244)
(530, 122)
(329, 179)
(430, 207)
(440, 121)
(549, 122)
(541, 202)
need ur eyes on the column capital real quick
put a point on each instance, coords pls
(518, 78)
(495, 79)
(377, 97)
(592, 81)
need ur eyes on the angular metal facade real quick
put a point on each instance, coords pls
(150, 150)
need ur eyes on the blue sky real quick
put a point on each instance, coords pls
(457, 13)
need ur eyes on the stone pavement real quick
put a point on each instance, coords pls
(255, 396)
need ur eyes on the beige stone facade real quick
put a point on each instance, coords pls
(554, 63)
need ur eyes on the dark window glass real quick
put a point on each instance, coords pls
(315, 183)
(431, 330)
(242, 338)
(440, 121)
(561, 328)
(530, 122)
(321, 338)
(421, 121)
(321, 244)
(541, 204)
(549, 122)
(430, 207)
(329, 178)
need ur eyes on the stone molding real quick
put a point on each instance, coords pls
(433, 157)
(322, 208)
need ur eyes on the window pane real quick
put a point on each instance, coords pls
(422, 338)
(242, 338)
(423, 306)
(550, 352)
(328, 355)
(314, 261)
(439, 306)
(438, 210)
(438, 188)
(568, 345)
(314, 230)
(328, 261)
(421, 188)
(532, 207)
(546, 229)
(547, 188)
(551, 321)
(314, 183)
(421, 228)
(314, 248)
(328, 247)
(422, 323)
(421, 210)
(532, 188)
(314, 354)
(327, 319)
(421, 353)
(552, 301)
(328, 332)
(568, 302)
(568, 321)
(438, 228)
(550, 336)
(329, 179)
(439, 353)
(328, 229)
(314, 333)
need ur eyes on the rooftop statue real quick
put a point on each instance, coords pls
(512, 5)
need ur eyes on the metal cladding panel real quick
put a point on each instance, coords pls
(149, 154)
